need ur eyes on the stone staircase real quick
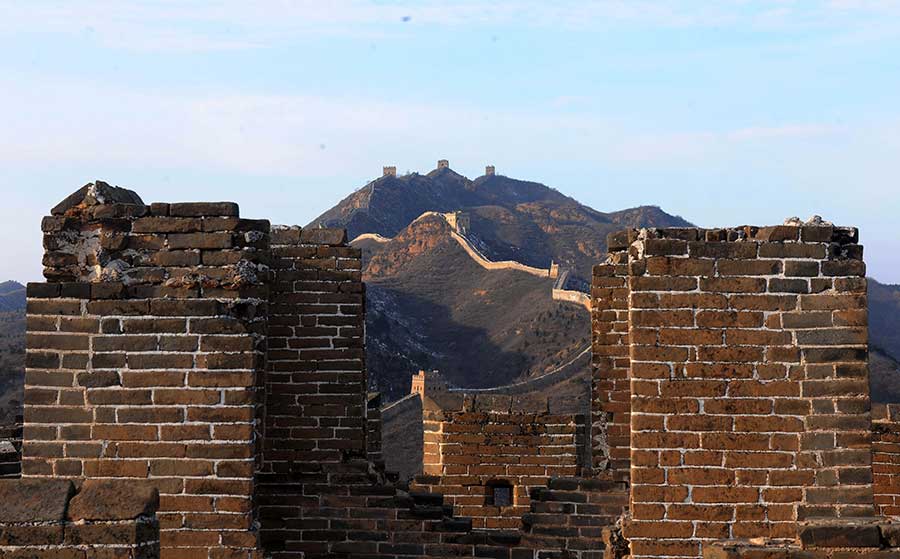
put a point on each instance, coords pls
(357, 509)
(11, 450)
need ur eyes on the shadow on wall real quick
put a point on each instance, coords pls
(402, 436)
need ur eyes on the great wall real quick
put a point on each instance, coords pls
(196, 387)
(459, 225)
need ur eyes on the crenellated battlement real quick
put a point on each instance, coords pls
(181, 353)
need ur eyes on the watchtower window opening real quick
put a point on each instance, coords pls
(499, 493)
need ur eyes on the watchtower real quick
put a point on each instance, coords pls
(458, 221)
(389, 171)
(489, 171)
(418, 384)
(429, 383)
(443, 164)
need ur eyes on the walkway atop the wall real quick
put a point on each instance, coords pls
(565, 371)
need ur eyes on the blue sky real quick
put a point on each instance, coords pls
(725, 113)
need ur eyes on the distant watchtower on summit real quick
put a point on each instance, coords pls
(390, 171)
(489, 171)
(443, 164)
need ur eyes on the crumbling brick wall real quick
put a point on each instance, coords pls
(749, 387)
(144, 354)
(610, 389)
(162, 350)
(52, 519)
(469, 453)
(886, 458)
(570, 514)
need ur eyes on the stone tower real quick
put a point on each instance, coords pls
(389, 171)
(458, 221)
(443, 164)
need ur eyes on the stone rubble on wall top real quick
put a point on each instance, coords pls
(106, 235)
(97, 193)
(813, 231)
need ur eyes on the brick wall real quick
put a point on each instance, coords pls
(570, 514)
(316, 387)
(749, 388)
(402, 436)
(610, 389)
(47, 519)
(144, 352)
(466, 451)
(886, 458)
(729, 388)
(315, 444)
(374, 429)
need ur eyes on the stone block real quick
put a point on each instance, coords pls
(34, 500)
(203, 209)
(323, 236)
(839, 534)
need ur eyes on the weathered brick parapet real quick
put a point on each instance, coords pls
(108, 237)
(886, 458)
(748, 380)
(48, 519)
(145, 356)
(487, 463)
(610, 389)
(315, 475)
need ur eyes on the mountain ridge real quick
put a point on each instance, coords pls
(412, 272)
(508, 219)
(517, 220)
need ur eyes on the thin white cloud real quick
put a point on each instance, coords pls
(194, 25)
(300, 136)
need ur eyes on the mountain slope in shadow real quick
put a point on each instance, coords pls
(430, 306)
